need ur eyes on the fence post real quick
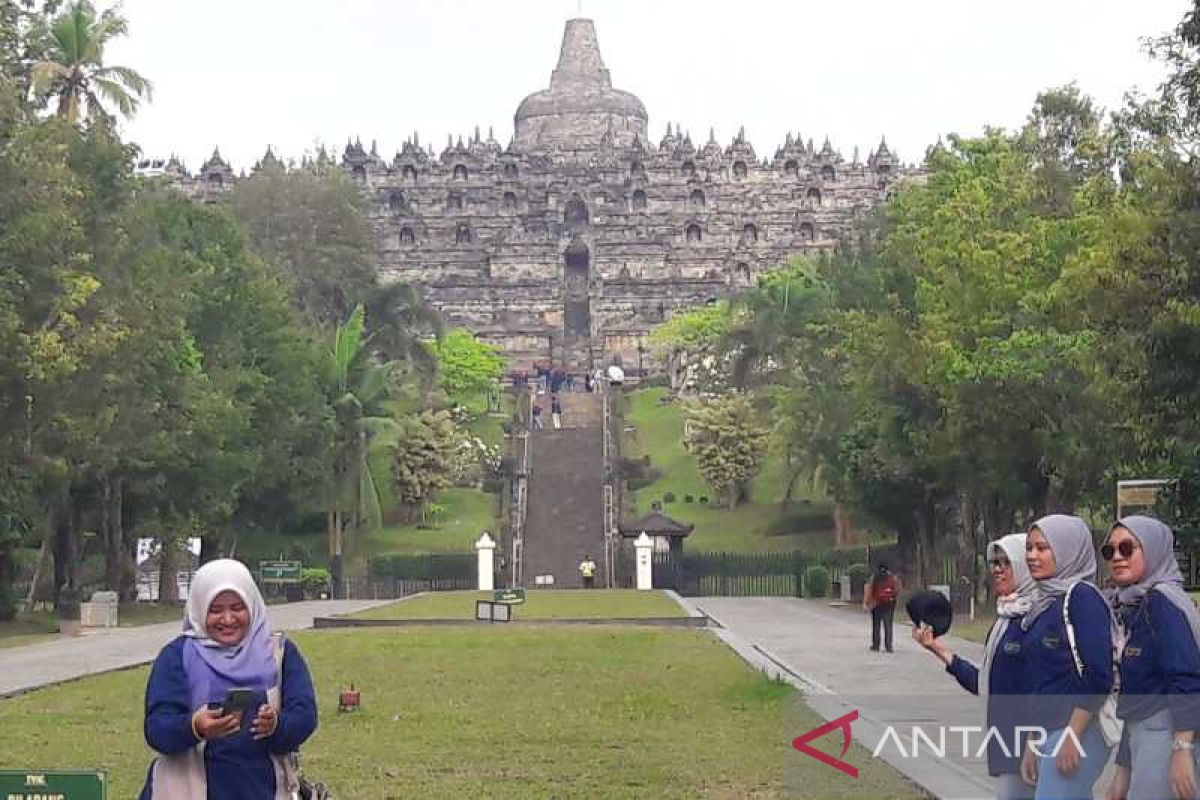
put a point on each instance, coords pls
(645, 570)
(486, 547)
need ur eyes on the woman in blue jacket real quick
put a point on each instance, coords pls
(207, 752)
(1005, 679)
(1160, 664)
(1070, 667)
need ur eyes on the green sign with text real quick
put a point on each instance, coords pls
(54, 784)
(280, 571)
(510, 597)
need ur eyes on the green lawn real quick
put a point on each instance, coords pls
(497, 712)
(539, 604)
(38, 626)
(751, 527)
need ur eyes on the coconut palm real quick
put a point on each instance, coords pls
(73, 70)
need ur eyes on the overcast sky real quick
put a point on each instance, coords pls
(242, 74)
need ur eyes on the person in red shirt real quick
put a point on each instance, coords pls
(879, 597)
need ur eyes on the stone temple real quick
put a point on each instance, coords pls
(581, 235)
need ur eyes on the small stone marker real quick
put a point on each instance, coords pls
(100, 612)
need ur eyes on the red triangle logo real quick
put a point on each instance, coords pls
(801, 743)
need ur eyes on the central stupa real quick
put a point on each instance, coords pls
(580, 108)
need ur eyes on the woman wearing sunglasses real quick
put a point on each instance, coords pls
(1069, 640)
(1003, 662)
(1160, 664)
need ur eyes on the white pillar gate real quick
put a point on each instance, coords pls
(644, 546)
(486, 548)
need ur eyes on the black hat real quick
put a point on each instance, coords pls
(930, 608)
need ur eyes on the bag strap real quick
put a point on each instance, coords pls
(1071, 631)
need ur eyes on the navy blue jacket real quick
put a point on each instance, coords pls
(1160, 667)
(237, 767)
(1004, 713)
(1058, 688)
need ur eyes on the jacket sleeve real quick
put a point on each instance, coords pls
(298, 715)
(1176, 647)
(1124, 753)
(168, 725)
(966, 673)
(1090, 616)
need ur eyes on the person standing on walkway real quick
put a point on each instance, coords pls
(1070, 630)
(1003, 680)
(587, 568)
(206, 750)
(879, 597)
(1160, 664)
(556, 411)
(535, 417)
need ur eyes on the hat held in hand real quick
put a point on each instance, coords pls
(931, 608)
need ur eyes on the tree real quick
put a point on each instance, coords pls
(73, 70)
(423, 458)
(729, 444)
(467, 368)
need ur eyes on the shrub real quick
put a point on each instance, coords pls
(8, 603)
(315, 580)
(687, 498)
(668, 497)
(816, 581)
(857, 573)
(802, 520)
(703, 499)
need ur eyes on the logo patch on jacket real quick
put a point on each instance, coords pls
(1133, 652)
(1012, 648)
(1050, 642)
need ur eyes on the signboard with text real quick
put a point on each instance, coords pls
(508, 596)
(61, 784)
(280, 571)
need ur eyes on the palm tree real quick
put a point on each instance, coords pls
(400, 322)
(73, 69)
(362, 388)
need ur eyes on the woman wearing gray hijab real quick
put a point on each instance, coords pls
(1160, 664)
(1070, 666)
(1003, 680)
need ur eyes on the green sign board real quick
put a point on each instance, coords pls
(508, 596)
(55, 784)
(278, 572)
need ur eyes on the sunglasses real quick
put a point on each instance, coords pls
(1126, 548)
(997, 563)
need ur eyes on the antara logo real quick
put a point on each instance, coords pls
(843, 723)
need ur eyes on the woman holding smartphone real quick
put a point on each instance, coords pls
(227, 703)
(1160, 664)
(1003, 679)
(1069, 646)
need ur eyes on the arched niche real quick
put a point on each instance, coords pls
(460, 172)
(407, 237)
(697, 197)
(739, 169)
(813, 195)
(791, 168)
(409, 173)
(359, 172)
(807, 232)
(749, 233)
(688, 168)
(575, 215)
(828, 173)
(510, 171)
(693, 233)
(462, 234)
(454, 201)
(509, 203)
(396, 200)
(639, 200)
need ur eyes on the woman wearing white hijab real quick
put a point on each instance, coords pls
(1005, 677)
(1160, 664)
(1071, 666)
(206, 751)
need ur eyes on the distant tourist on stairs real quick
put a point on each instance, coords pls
(556, 411)
(536, 417)
(587, 568)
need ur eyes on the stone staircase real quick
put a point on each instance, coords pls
(564, 521)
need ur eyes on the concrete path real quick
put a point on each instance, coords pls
(823, 650)
(103, 650)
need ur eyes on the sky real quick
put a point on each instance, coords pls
(293, 74)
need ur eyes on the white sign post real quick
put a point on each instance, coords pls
(644, 546)
(486, 547)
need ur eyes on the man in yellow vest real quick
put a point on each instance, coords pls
(587, 568)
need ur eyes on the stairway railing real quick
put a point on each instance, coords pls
(610, 516)
(521, 500)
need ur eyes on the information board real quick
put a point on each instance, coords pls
(508, 596)
(68, 784)
(280, 571)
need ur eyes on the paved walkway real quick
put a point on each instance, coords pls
(103, 650)
(823, 651)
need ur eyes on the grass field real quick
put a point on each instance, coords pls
(544, 604)
(658, 431)
(37, 626)
(497, 713)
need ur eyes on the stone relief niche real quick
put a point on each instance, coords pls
(697, 198)
(806, 231)
(739, 169)
(509, 203)
(688, 169)
(637, 171)
(409, 173)
(462, 234)
(792, 169)
(749, 233)
(828, 173)
(741, 274)
(813, 196)
(359, 172)
(694, 234)
(639, 200)
(575, 215)
(510, 171)
(396, 202)
(460, 172)
(407, 237)
(577, 306)
(454, 201)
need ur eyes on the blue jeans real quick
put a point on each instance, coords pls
(1150, 747)
(1053, 785)
(1010, 787)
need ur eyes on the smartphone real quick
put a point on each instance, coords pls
(238, 699)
